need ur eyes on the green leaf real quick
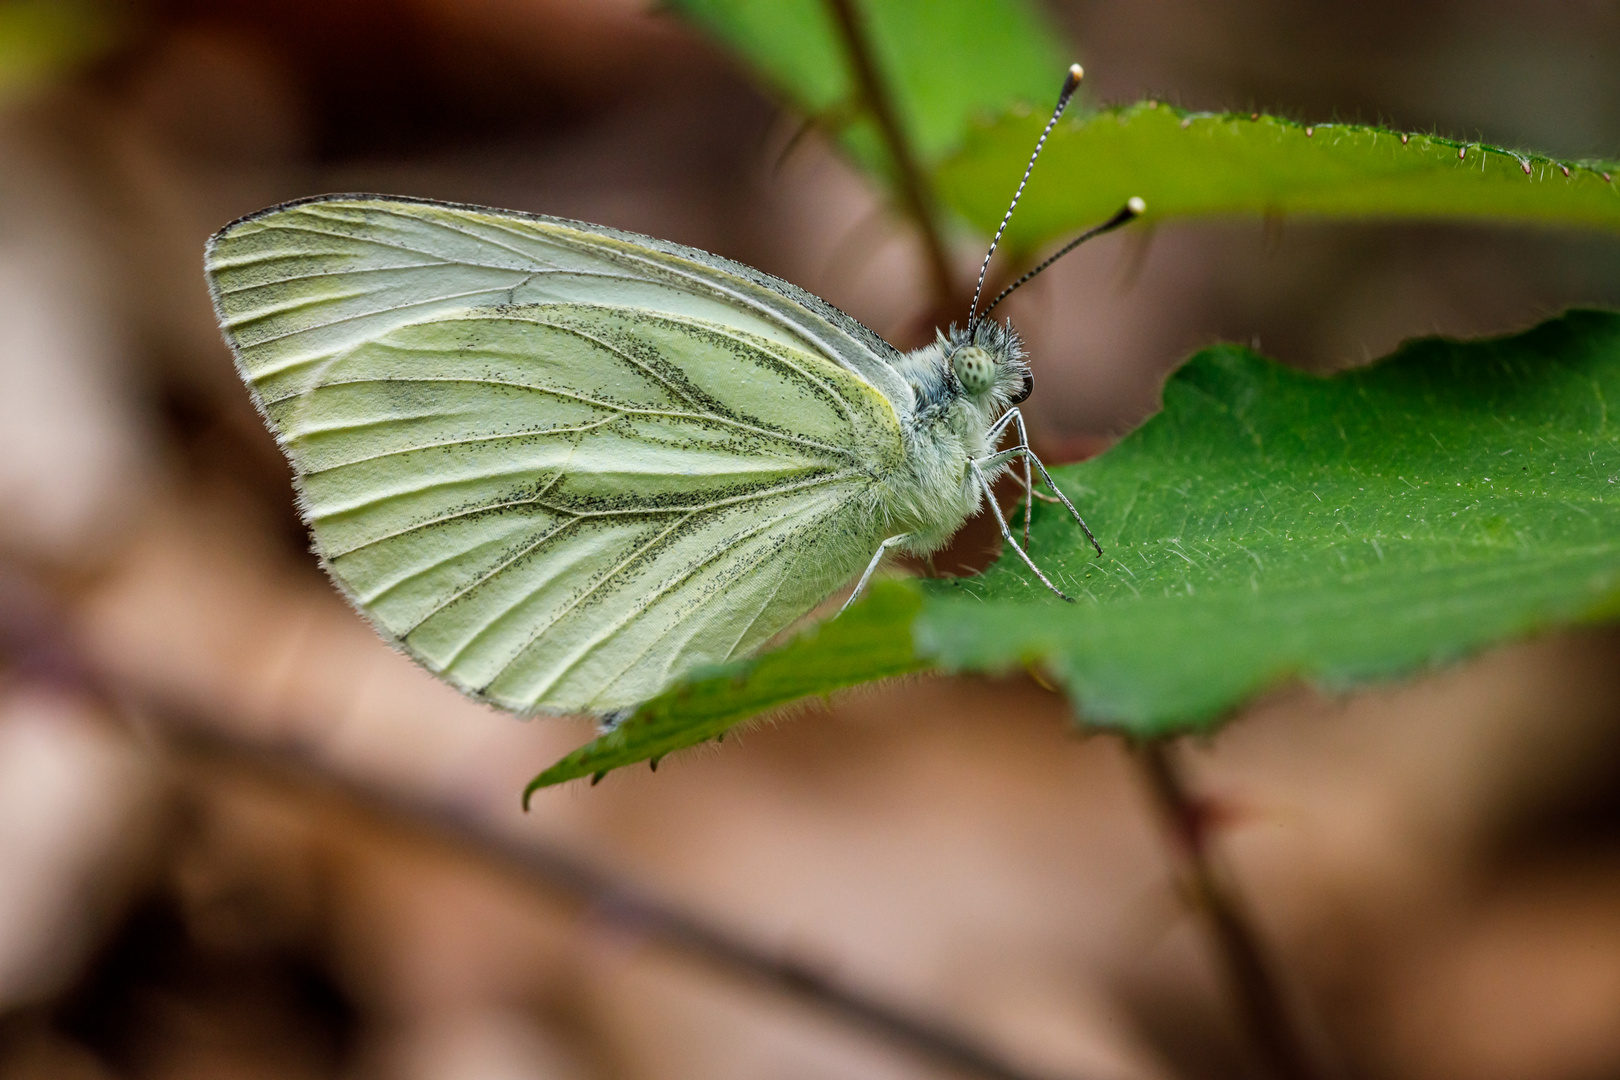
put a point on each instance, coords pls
(1270, 524)
(946, 64)
(1205, 164)
(42, 39)
(1266, 525)
(872, 640)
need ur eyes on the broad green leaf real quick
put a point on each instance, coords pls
(872, 640)
(946, 64)
(1269, 525)
(1207, 164)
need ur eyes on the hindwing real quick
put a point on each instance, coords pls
(558, 506)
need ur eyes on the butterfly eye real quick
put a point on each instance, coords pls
(974, 369)
(1025, 390)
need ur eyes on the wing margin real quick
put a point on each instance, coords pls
(419, 247)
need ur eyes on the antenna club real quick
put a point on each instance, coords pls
(1136, 206)
(1071, 83)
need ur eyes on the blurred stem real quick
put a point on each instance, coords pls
(610, 901)
(39, 646)
(915, 193)
(1258, 997)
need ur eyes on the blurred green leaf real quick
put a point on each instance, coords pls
(1266, 525)
(42, 39)
(872, 640)
(946, 64)
(1207, 164)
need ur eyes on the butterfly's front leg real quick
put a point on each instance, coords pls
(871, 568)
(1028, 455)
(1001, 520)
(1016, 418)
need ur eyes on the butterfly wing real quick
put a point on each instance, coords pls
(325, 273)
(558, 506)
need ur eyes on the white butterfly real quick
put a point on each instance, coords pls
(562, 465)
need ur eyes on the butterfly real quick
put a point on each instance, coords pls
(561, 465)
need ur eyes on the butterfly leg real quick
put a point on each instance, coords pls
(871, 568)
(1006, 533)
(1015, 417)
(1040, 495)
(1029, 456)
(1029, 481)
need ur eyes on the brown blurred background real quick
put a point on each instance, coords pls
(239, 837)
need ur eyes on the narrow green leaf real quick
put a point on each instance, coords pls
(946, 64)
(1206, 164)
(1270, 524)
(872, 640)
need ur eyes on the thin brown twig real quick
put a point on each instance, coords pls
(614, 903)
(915, 193)
(36, 645)
(1262, 1007)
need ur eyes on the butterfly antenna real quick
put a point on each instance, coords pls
(1071, 83)
(1132, 210)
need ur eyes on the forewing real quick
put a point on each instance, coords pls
(298, 284)
(563, 507)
